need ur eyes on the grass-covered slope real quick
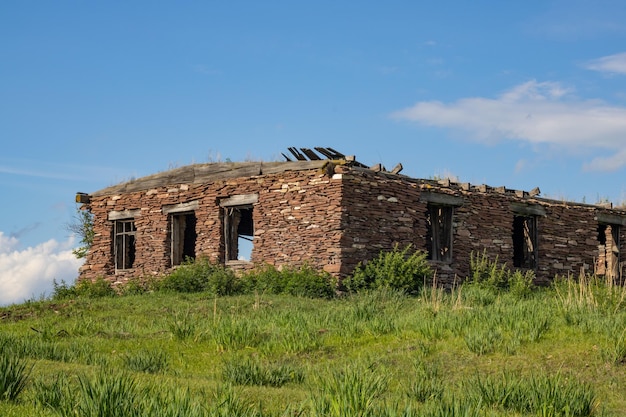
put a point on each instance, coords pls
(480, 350)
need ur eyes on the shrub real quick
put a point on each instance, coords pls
(200, 275)
(94, 289)
(63, 290)
(301, 282)
(401, 269)
(497, 277)
(487, 272)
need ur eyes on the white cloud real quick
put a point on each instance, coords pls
(535, 112)
(30, 272)
(614, 64)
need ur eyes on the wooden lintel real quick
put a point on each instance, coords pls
(528, 209)
(443, 199)
(181, 207)
(609, 218)
(239, 200)
(124, 214)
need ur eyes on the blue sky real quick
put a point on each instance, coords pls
(521, 94)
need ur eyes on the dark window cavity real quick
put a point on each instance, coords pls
(525, 242)
(124, 241)
(182, 237)
(439, 238)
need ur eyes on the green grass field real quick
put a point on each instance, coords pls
(483, 349)
(470, 352)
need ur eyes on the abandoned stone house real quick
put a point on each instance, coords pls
(333, 212)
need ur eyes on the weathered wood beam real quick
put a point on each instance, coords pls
(312, 155)
(297, 154)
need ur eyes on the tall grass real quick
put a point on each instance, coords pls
(249, 371)
(351, 391)
(14, 375)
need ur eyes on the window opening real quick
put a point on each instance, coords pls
(439, 219)
(525, 242)
(183, 237)
(608, 250)
(124, 243)
(238, 232)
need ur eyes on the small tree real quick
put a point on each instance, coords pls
(82, 226)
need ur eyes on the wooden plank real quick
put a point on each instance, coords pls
(312, 155)
(326, 153)
(397, 169)
(338, 155)
(297, 154)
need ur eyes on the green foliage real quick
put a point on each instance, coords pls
(400, 269)
(63, 290)
(82, 225)
(94, 289)
(302, 282)
(497, 277)
(83, 288)
(200, 275)
(14, 374)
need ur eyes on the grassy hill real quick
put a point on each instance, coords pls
(479, 350)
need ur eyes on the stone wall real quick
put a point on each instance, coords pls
(381, 210)
(296, 221)
(332, 219)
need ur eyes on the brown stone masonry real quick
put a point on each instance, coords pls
(333, 215)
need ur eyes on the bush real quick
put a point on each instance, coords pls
(84, 288)
(400, 269)
(200, 275)
(302, 282)
(497, 277)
